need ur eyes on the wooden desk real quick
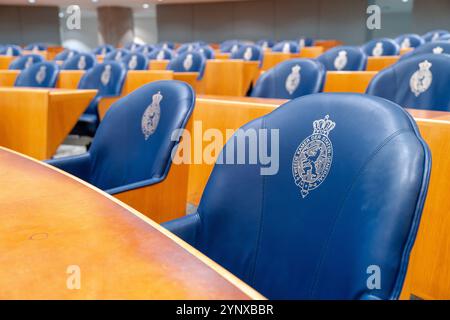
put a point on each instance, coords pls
(158, 64)
(51, 221)
(36, 121)
(8, 77)
(271, 59)
(328, 44)
(311, 52)
(379, 63)
(348, 81)
(5, 61)
(69, 79)
(221, 55)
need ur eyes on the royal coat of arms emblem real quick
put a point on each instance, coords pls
(438, 50)
(286, 48)
(378, 49)
(160, 56)
(41, 74)
(82, 63)
(187, 63)
(29, 62)
(406, 44)
(106, 75)
(248, 54)
(132, 64)
(421, 79)
(313, 157)
(341, 60)
(293, 79)
(151, 116)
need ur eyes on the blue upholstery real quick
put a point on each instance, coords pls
(108, 79)
(265, 43)
(65, 54)
(41, 74)
(135, 61)
(381, 47)
(248, 53)
(146, 49)
(445, 37)
(286, 47)
(103, 49)
(291, 79)
(25, 61)
(408, 82)
(132, 46)
(80, 61)
(160, 54)
(116, 55)
(188, 62)
(344, 58)
(230, 46)
(132, 148)
(10, 50)
(410, 40)
(319, 241)
(207, 52)
(305, 42)
(436, 47)
(191, 46)
(167, 45)
(434, 35)
(36, 47)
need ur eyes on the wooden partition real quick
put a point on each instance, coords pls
(379, 63)
(5, 61)
(8, 77)
(348, 81)
(158, 64)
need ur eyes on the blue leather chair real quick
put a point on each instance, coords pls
(188, 62)
(286, 47)
(291, 79)
(11, 50)
(318, 229)
(445, 37)
(420, 82)
(80, 61)
(381, 47)
(133, 145)
(108, 79)
(265, 43)
(135, 61)
(40, 75)
(344, 58)
(146, 49)
(248, 53)
(410, 40)
(103, 49)
(436, 47)
(160, 54)
(434, 35)
(191, 46)
(25, 61)
(305, 42)
(166, 45)
(116, 55)
(36, 47)
(65, 54)
(132, 46)
(230, 46)
(207, 52)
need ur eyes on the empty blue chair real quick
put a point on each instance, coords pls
(65, 54)
(436, 47)
(344, 58)
(132, 46)
(133, 144)
(107, 78)
(36, 47)
(103, 49)
(265, 43)
(166, 45)
(445, 37)
(230, 46)
(25, 61)
(410, 40)
(116, 55)
(135, 61)
(343, 207)
(291, 79)
(39, 75)
(381, 47)
(286, 47)
(207, 51)
(188, 62)
(80, 61)
(248, 53)
(434, 35)
(146, 49)
(10, 50)
(305, 42)
(192, 46)
(420, 82)
(160, 54)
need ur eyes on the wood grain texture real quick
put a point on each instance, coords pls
(379, 63)
(348, 81)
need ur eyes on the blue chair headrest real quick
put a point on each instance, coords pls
(230, 46)
(135, 61)
(103, 49)
(41, 74)
(166, 45)
(286, 47)
(11, 50)
(107, 78)
(146, 49)
(80, 61)
(344, 58)
(248, 52)
(25, 61)
(116, 55)
(188, 62)
(160, 54)
(207, 51)
(381, 47)
(410, 40)
(132, 46)
(434, 35)
(36, 47)
(265, 43)
(65, 54)
(436, 47)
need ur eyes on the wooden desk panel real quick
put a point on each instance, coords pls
(69, 79)
(36, 121)
(328, 44)
(311, 52)
(5, 61)
(348, 81)
(158, 64)
(188, 77)
(51, 220)
(8, 77)
(137, 78)
(271, 59)
(379, 63)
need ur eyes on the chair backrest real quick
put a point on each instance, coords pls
(133, 143)
(132, 46)
(80, 61)
(135, 61)
(436, 47)
(291, 79)
(286, 47)
(248, 53)
(230, 46)
(36, 47)
(41, 74)
(207, 51)
(346, 201)
(420, 82)
(160, 54)
(305, 42)
(265, 43)
(434, 35)
(410, 40)
(191, 46)
(146, 49)
(188, 62)
(344, 58)
(10, 50)
(65, 55)
(103, 49)
(116, 55)
(166, 45)
(107, 78)
(25, 61)
(381, 47)
(445, 37)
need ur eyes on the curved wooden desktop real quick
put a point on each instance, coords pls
(53, 223)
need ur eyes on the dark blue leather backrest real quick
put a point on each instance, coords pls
(135, 61)
(191, 46)
(133, 142)
(445, 37)
(265, 43)
(36, 47)
(103, 49)
(132, 46)
(410, 40)
(116, 55)
(80, 61)
(107, 78)
(291, 79)
(230, 46)
(41, 74)
(188, 62)
(166, 45)
(207, 51)
(434, 35)
(10, 50)
(25, 61)
(381, 47)
(160, 54)
(344, 58)
(146, 49)
(305, 42)
(65, 54)
(437, 47)
(420, 82)
(248, 53)
(286, 47)
(348, 195)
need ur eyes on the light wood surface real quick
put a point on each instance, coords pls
(158, 64)
(5, 61)
(348, 81)
(36, 121)
(53, 223)
(328, 44)
(69, 79)
(311, 52)
(137, 78)
(188, 77)
(271, 59)
(379, 63)
(8, 77)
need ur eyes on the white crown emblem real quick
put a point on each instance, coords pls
(151, 116)
(301, 43)
(41, 74)
(293, 79)
(132, 64)
(160, 55)
(287, 48)
(378, 49)
(341, 60)
(106, 75)
(421, 79)
(29, 62)
(248, 54)
(438, 50)
(187, 63)
(406, 43)
(82, 63)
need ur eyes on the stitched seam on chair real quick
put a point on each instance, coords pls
(344, 200)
